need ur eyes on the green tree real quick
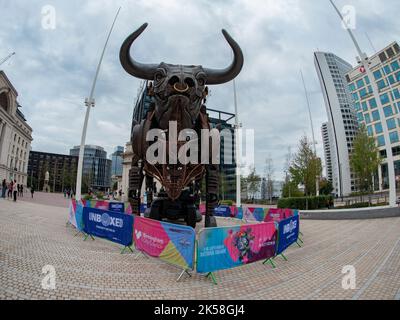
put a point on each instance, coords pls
(365, 160)
(325, 187)
(253, 182)
(306, 167)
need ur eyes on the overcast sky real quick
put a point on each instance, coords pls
(53, 69)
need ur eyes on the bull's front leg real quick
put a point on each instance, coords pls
(212, 174)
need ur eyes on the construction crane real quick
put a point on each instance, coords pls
(6, 58)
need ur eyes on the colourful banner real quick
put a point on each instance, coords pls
(109, 225)
(172, 243)
(75, 215)
(226, 248)
(224, 211)
(267, 215)
(116, 207)
(288, 233)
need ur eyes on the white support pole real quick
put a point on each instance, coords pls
(365, 63)
(238, 143)
(312, 130)
(89, 102)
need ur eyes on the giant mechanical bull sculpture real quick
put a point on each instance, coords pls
(179, 94)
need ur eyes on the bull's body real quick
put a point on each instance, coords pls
(178, 95)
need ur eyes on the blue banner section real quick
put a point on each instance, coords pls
(288, 233)
(117, 207)
(223, 211)
(109, 225)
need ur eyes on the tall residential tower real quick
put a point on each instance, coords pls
(342, 121)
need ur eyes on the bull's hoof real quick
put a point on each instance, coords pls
(210, 222)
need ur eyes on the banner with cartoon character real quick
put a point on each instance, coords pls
(226, 248)
(288, 233)
(171, 243)
(109, 225)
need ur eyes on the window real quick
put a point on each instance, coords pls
(395, 65)
(378, 74)
(388, 111)
(375, 115)
(360, 84)
(396, 93)
(381, 141)
(391, 123)
(378, 128)
(391, 79)
(355, 96)
(370, 131)
(367, 118)
(372, 103)
(394, 137)
(352, 87)
(385, 98)
(366, 79)
(360, 117)
(365, 106)
(363, 93)
(387, 69)
(381, 84)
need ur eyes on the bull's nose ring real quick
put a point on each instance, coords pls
(181, 90)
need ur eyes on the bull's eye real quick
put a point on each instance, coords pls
(159, 77)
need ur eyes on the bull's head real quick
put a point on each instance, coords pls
(179, 90)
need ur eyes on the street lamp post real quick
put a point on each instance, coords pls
(89, 103)
(365, 62)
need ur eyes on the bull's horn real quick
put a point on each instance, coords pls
(219, 76)
(134, 68)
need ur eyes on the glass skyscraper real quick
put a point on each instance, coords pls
(96, 167)
(385, 66)
(117, 160)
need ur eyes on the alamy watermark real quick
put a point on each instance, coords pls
(186, 147)
(49, 280)
(349, 14)
(49, 17)
(350, 278)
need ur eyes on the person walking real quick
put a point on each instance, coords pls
(22, 191)
(3, 189)
(10, 190)
(32, 191)
(15, 190)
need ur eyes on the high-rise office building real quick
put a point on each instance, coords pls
(116, 158)
(385, 66)
(342, 121)
(96, 172)
(326, 138)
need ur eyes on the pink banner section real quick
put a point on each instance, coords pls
(268, 214)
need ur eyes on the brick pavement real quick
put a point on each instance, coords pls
(33, 235)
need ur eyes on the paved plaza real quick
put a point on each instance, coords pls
(34, 234)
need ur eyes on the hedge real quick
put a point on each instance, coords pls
(306, 203)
